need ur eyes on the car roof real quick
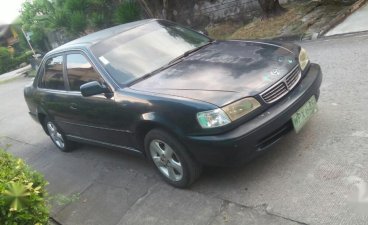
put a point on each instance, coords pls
(93, 38)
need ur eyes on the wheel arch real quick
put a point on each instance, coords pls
(153, 121)
(41, 118)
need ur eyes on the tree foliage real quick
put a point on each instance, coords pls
(76, 17)
(9, 62)
(128, 11)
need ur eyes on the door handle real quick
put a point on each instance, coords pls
(73, 106)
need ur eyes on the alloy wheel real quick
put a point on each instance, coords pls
(166, 160)
(55, 135)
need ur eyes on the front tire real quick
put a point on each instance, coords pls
(171, 159)
(57, 136)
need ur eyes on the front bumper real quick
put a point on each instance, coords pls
(240, 145)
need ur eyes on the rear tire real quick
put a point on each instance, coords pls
(171, 159)
(57, 136)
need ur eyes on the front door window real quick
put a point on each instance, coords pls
(80, 71)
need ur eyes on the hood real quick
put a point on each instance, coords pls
(223, 72)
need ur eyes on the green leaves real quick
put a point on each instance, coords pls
(75, 16)
(16, 193)
(22, 193)
(78, 22)
(128, 11)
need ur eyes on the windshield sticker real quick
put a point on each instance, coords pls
(104, 60)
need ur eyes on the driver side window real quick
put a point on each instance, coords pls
(80, 71)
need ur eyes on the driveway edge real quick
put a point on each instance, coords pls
(342, 16)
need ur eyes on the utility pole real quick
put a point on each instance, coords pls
(29, 43)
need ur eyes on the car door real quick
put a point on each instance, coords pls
(94, 118)
(52, 94)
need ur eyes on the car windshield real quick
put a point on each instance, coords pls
(130, 55)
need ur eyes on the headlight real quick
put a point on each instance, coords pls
(212, 118)
(303, 58)
(223, 116)
(241, 108)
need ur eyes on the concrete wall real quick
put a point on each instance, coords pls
(225, 9)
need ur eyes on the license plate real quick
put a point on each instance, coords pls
(301, 117)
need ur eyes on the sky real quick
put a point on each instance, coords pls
(9, 10)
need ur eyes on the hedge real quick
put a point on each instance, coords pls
(22, 193)
(8, 63)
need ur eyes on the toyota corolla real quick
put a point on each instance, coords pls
(173, 95)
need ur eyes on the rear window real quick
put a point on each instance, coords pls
(53, 75)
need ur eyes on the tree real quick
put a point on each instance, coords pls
(78, 17)
(74, 18)
(128, 11)
(271, 8)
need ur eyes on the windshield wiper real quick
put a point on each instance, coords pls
(169, 64)
(188, 53)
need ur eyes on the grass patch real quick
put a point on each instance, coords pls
(276, 26)
(32, 73)
(224, 30)
(8, 80)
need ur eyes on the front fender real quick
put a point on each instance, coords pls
(157, 120)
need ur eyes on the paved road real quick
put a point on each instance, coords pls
(316, 177)
(356, 22)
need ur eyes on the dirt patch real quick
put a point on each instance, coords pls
(301, 19)
(223, 30)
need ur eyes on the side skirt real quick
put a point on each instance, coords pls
(105, 144)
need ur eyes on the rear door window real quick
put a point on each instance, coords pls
(80, 71)
(53, 76)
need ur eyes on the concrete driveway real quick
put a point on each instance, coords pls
(316, 177)
(356, 22)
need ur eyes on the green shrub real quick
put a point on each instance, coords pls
(128, 11)
(77, 21)
(5, 60)
(8, 63)
(22, 193)
(22, 58)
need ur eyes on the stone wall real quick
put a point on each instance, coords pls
(200, 13)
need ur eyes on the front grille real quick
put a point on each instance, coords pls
(275, 93)
(281, 88)
(293, 78)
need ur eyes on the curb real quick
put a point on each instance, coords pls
(290, 38)
(342, 16)
(17, 73)
(339, 18)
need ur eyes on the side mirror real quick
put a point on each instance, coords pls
(93, 88)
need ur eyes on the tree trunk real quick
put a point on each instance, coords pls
(146, 8)
(165, 9)
(271, 8)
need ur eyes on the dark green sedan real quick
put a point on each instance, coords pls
(173, 95)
